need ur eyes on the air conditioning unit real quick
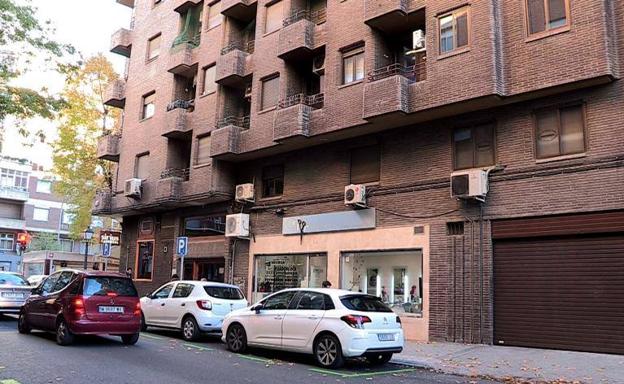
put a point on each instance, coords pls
(245, 193)
(237, 225)
(318, 65)
(133, 188)
(419, 40)
(355, 195)
(469, 184)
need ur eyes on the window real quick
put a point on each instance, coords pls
(146, 226)
(67, 245)
(153, 47)
(68, 218)
(353, 65)
(7, 241)
(270, 93)
(63, 280)
(49, 283)
(474, 147)
(204, 226)
(203, 150)
(209, 85)
(214, 15)
(279, 301)
(145, 260)
(101, 286)
(149, 108)
(454, 32)
(141, 170)
(546, 15)
(10, 178)
(274, 15)
(365, 164)
(44, 186)
(312, 301)
(41, 214)
(273, 181)
(559, 131)
(226, 293)
(163, 292)
(182, 290)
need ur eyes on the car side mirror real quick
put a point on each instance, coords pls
(256, 308)
(35, 291)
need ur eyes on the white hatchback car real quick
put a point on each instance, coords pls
(192, 307)
(331, 324)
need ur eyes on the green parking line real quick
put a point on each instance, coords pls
(353, 375)
(254, 358)
(151, 337)
(198, 347)
(9, 381)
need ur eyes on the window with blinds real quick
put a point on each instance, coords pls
(274, 17)
(454, 30)
(559, 131)
(203, 150)
(141, 166)
(209, 85)
(474, 147)
(153, 47)
(546, 15)
(365, 164)
(270, 93)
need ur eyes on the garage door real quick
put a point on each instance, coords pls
(559, 283)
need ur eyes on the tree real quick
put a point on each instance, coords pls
(82, 120)
(44, 241)
(22, 38)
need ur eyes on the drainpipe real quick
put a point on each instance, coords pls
(481, 273)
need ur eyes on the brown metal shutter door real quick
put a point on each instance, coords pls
(560, 292)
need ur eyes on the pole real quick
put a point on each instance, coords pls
(181, 267)
(84, 265)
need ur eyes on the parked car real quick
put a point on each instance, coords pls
(192, 307)
(14, 290)
(35, 280)
(72, 303)
(331, 324)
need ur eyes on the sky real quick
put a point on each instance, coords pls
(86, 24)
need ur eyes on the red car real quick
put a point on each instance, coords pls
(72, 302)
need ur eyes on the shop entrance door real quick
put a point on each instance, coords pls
(211, 270)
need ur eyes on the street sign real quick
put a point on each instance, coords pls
(50, 255)
(111, 237)
(182, 246)
(106, 249)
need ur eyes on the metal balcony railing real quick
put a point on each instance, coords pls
(414, 73)
(238, 45)
(314, 101)
(317, 17)
(183, 174)
(180, 104)
(236, 121)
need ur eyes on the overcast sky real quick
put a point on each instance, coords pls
(88, 26)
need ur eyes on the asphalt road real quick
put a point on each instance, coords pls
(163, 357)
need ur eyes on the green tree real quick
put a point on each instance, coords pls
(44, 241)
(83, 119)
(22, 38)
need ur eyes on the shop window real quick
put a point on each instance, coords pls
(559, 131)
(365, 164)
(395, 277)
(204, 226)
(145, 260)
(474, 147)
(353, 65)
(273, 181)
(454, 32)
(547, 15)
(274, 17)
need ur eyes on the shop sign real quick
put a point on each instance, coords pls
(330, 222)
(110, 237)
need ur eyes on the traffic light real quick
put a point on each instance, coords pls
(23, 238)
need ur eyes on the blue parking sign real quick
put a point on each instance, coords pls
(182, 246)
(106, 249)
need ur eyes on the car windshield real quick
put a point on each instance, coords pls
(11, 279)
(103, 286)
(228, 293)
(364, 303)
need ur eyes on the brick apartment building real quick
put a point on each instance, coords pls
(303, 97)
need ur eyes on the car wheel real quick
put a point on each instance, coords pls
(190, 329)
(328, 352)
(378, 358)
(143, 323)
(130, 339)
(22, 324)
(236, 338)
(63, 334)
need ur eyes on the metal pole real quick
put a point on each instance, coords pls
(181, 274)
(84, 265)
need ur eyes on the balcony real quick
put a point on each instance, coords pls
(234, 64)
(243, 10)
(115, 94)
(12, 193)
(182, 60)
(103, 202)
(108, 147)
(17, 224)
(183, 5)
(297, 38)
(387, 90)
(177, 121)
(226, 139)
(294, 116)
(169, 186)
(121, 42)
(127, 3)
(385, 14)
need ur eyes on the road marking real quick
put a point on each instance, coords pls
(198, 347)
(366, 374)
(254, 358)
(149, 336)
(9, 381)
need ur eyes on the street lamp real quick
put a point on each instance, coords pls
(87, 236)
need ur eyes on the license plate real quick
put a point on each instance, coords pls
(13, 295)
(386, 336)
(111, 309)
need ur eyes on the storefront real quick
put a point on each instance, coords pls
(207, 248)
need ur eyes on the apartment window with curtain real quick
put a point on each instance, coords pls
(153, 47)
(454, 31)
(41, 214)
(10, 178)
(353, 65)
(270, 93)
(559, 131)
(544, 16)
(273, 181)
(209, 85)
(215, 18)
(141, 167)
(365, 164)
(149, 106)
(7, 241)
(274, 17)
(44, 186)
(203, 150)
(474, 146)
(67, 245)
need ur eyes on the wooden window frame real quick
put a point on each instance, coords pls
(558, 108)
(148, 56)
(263, 82)
(455, 12)
(264, 180)
(474, 149)
(203, 79)
(136, 163)
(136, 260)
(143, 105)
(547, 32)
(348, 53)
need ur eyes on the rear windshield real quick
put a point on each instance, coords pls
(228, 293)
(364, 303)
(101, 286)
(11, 279)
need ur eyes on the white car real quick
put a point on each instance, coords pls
(331, 324)
(192, 307)
(35, 280)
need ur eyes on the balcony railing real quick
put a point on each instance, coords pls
(181, 104)
(248, 47)
(14, 193)
(183, 174)
(317, 17)
(414, 73)
(242, 122)
(314, 101)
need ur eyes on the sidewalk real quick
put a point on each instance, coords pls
(498, 362)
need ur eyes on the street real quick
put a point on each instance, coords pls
(162, 357)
